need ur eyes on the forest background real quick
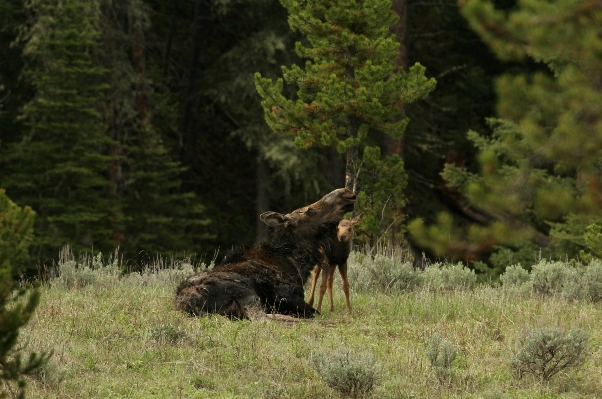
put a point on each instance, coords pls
(137, 124)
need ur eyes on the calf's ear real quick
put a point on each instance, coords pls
(357, 219)
(273, 219)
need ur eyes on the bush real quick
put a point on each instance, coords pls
(515, 277)
(352, 374)
(441, 353)
(87, 270)
(572, 286)
(382, 274)
(544, 352)
(449, 278)
(592, 279)
(548, 278)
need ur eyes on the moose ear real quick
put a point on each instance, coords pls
(273, 219)
(357, 219)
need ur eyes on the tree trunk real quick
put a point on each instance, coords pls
(351, 168)
(263, 199)
(113, 123)
(139, 64)
(400, 8)
(332, 167)
(188, 120)
(172, 32)
(352, 128)
(392, 145)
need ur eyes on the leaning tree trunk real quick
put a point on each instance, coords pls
(263, 199)
(351, 168)
(352, 129)
(393, 145)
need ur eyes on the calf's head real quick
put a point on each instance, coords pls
(307, 221)
(345, 228)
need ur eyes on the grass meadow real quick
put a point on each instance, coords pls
(118, 336)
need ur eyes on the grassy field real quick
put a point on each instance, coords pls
(118, 336)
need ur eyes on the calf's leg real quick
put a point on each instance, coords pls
(330, 283)
(314, 280)
(343, 271)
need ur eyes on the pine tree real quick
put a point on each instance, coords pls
(347, 94)
(540, 171)
(155, 216)
(16, 305)
(91, 162)
(59, 167)
(347, 87)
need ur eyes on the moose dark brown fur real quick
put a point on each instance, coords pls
(269, 276)
(335, 253)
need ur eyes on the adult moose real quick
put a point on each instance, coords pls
(269, 276)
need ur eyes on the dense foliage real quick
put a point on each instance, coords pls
(136, 123)
(539, 172)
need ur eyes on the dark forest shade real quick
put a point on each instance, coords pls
(147, 151)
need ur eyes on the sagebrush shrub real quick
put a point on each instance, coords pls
(87, 270)
(382, 273)
(352, 374)
(548, 278)
(573, 285)
(592, 281)
(441, 354)
(440, 277)
(544, 352)
(515, 277)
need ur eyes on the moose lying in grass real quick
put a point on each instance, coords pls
(269, 276)
(335, 254)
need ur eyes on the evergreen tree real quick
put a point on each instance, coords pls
(347, 93)
(59, 166)
(16, 305)
(539, 178)
(155, 215)
(91, 163)
(348, 86)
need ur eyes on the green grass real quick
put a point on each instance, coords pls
(120, 337)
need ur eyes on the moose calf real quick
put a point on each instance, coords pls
(334, 254)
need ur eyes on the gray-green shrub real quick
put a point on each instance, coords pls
(514, 277)
(352, 374)
(548, 278)
(87, 270)
(573, 285)
(544, 352)
(441, 354)
(439, 277)
(381, 273)
(592, 278)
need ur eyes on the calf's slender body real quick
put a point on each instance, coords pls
(334, 255)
